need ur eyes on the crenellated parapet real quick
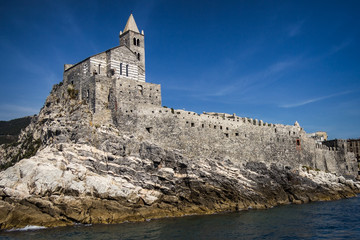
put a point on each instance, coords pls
(113, 85)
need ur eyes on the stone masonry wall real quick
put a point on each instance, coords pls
(236, 139)
(127, 39)
(135, 109)
(120, 57)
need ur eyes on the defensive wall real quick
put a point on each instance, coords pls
(113, 85)
(135, 109)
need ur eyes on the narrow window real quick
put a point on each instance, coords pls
(99, 68)
(226, 135)
(138, 56)
(134, 41)
(140, 88)
(120, 68)
(192, 124)
(127, 70)
(202, 125)
(297, 142)
(237, 134)
(138, 42)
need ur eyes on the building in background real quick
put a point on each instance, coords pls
(318, 136)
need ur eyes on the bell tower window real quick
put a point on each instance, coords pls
(134, 41)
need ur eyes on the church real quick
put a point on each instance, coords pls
(121, 68)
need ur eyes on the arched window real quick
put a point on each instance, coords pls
(138, 42)
(134, 41)
(127, 70)
(120, 68)
(138, 56)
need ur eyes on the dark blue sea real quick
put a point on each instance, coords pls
(320, 220)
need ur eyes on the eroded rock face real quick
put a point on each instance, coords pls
(89, 173)
(76, 183)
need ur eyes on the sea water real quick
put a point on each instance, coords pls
(319, 220)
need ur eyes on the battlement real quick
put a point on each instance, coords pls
(113, 84)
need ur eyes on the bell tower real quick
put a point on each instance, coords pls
(134, 40)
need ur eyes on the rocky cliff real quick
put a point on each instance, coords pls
(72, 168)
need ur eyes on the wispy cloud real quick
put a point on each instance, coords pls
(31, 65)
(295, 29)
(11, 111)
(340, 46)
(312, 100)
(259, 79)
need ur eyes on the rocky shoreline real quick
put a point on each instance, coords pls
(84, 172)
(68, 186)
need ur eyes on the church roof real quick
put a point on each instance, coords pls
(131, 25)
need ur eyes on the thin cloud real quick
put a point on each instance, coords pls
(256, 80)
(314, 100)
(11, 111)
(295, 29)
(30, 65)
(339, 47)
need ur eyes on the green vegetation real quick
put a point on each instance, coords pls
(28, 149)
(73, 93)
(308, 168)
(9, 130)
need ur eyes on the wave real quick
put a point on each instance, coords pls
(27, 228)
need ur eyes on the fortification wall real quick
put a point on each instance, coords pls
(237, 139)
(135, 108)
(118, 95)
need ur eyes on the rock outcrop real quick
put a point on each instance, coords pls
(85, 172)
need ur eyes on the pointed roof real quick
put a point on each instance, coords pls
(131, 25)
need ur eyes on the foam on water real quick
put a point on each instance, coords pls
(27, 228)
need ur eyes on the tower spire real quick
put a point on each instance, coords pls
(131, 25)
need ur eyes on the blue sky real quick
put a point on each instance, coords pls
(279, 61)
